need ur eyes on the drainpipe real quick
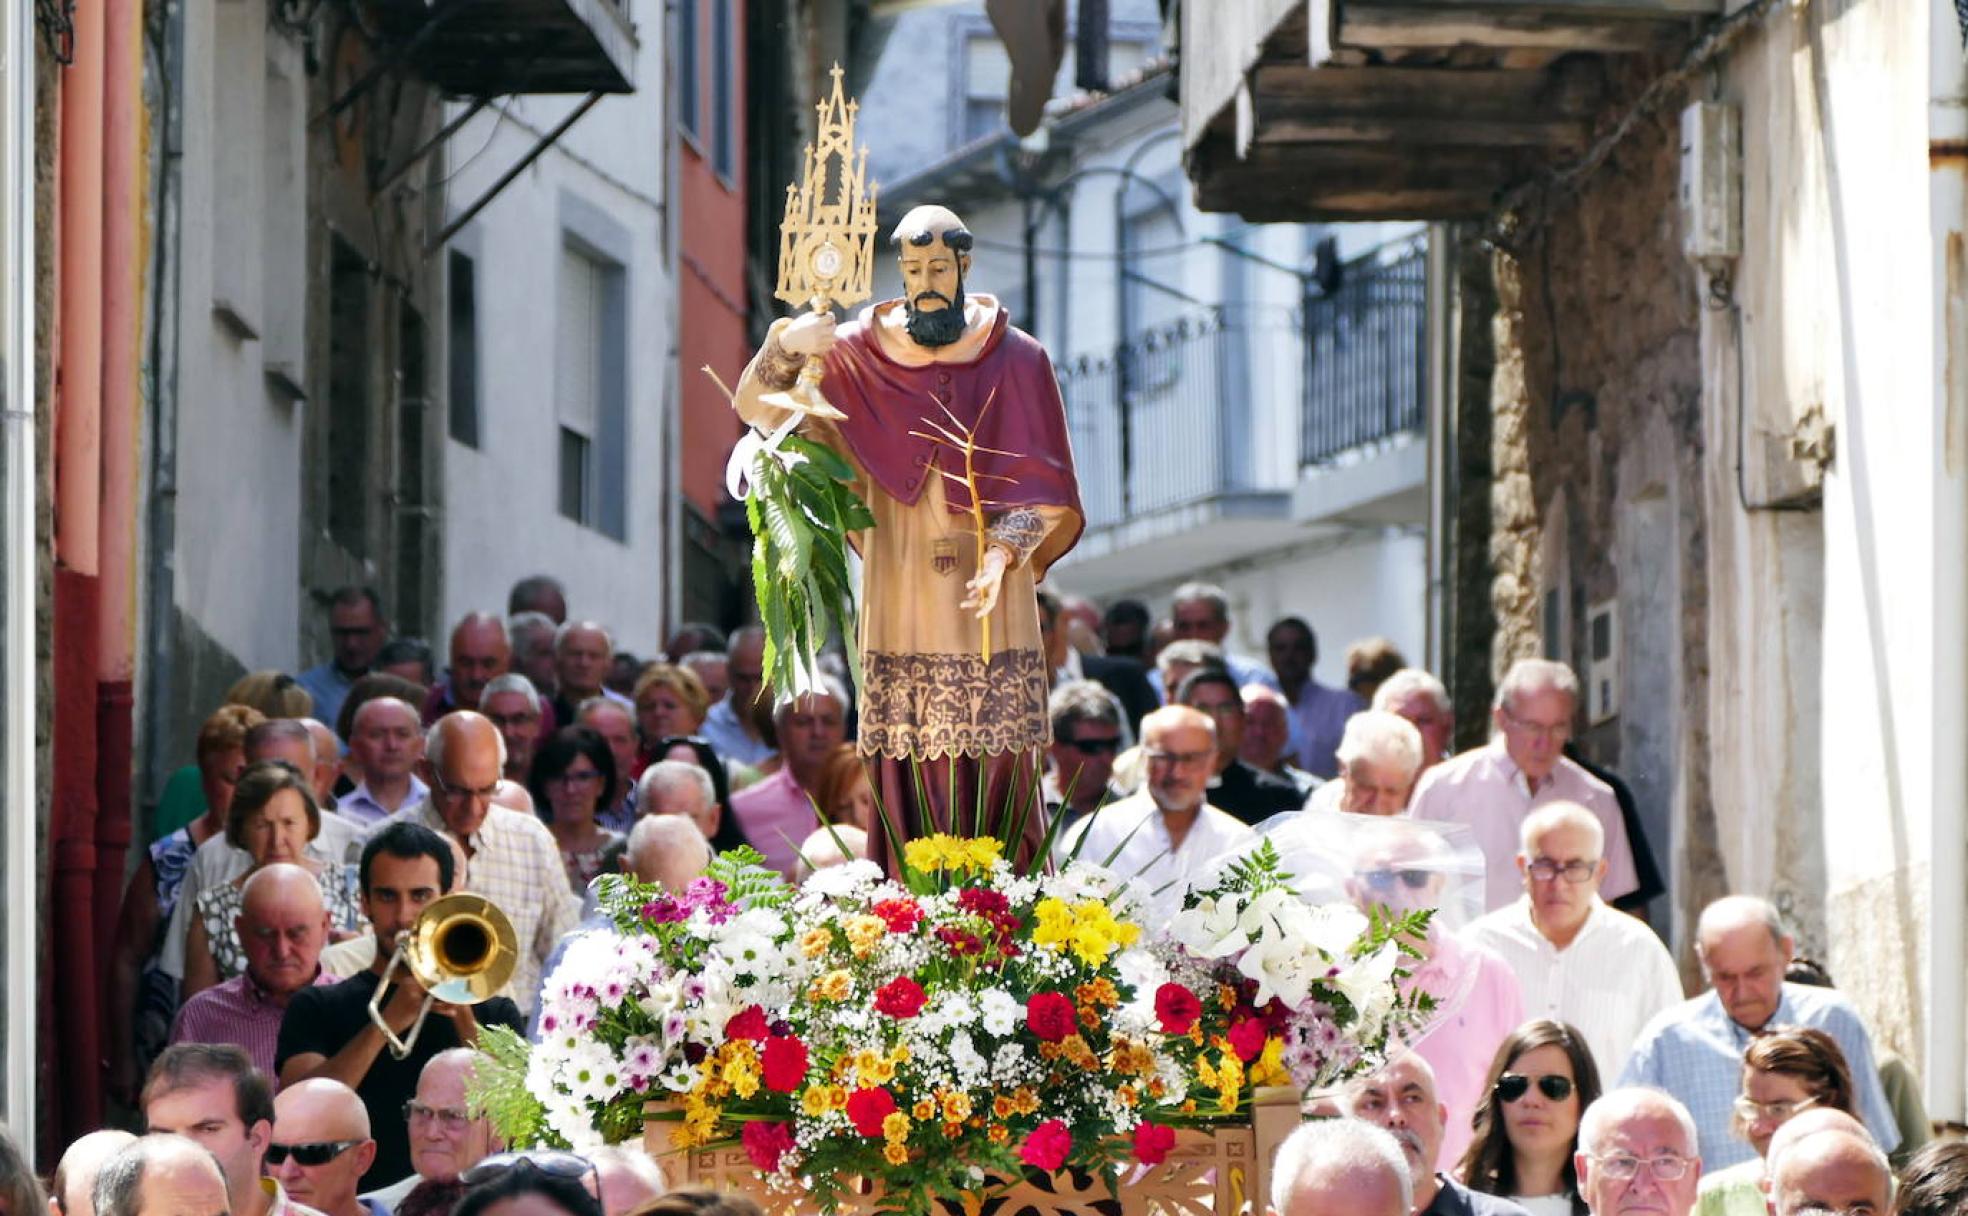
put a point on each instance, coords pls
(1948, 819)
(122, 338)
(20, 854)
(1439, 306)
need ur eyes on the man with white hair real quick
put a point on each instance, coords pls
(327, 761)
(1637, 1153)
(161, 1175)
(516, 708)
(1579, 961)
(1695, 1048)
(1266, 746)
(1826, 1163)
(1401, 1099)
(70, 1191)
(1495, 787)
(1419, 697)
(1379, 758)
(1340, 1167)
(626, 1178)
(678, 787)
(1167, 834)
(667, 850)
(830, 845)
(583, 651)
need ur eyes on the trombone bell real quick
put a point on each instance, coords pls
(462, 950)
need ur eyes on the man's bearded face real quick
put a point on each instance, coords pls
(932, 282)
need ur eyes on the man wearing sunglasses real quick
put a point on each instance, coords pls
(1086, 736)
(1579, 961)
(212, 1095)
(1636, 1153)
(321, 1147)
(1401, 1098)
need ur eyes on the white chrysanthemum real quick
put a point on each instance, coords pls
(842, 881)
(1001, 1011)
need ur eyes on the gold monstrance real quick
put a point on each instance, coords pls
(827, 242)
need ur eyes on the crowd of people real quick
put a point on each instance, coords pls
(1566, 1071)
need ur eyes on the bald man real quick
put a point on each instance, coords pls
(934, 358)
(327, 761)
(386, 741)
(1340, 1167)
(1832, 1172)
(283, 924)
(626, 1177)
(321, 1147)
(74, 1183)
(161, 1175)
(481, 652)
(668, 850)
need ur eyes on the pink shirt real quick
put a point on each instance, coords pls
(777, 817)
(1484, 789)
(1483, 1003)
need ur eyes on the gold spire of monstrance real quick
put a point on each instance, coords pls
(827, 240)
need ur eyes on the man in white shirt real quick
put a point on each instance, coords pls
(1163, 837)
(1578, 960)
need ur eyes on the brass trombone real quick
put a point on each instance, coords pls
(462, 950)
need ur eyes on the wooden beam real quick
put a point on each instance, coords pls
(1574, 89)
(1353, 181)
(1409, 24)
(1312, 127)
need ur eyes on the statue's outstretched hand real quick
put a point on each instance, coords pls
(983, 589)
(809, 334)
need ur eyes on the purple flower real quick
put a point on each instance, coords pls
(695, 1052)
(665, 911)
(782, 1028)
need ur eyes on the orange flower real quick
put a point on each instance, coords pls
(1002, 1107)
(1025, 1100)
(956, 1107)
(923, 1111)
(998, 1134)
(1097, 994)
(896, 1153)
(952, 1130)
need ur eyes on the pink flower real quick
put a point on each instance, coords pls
(1046, 1148)
(1152, 1143)
(783, 1063)
(1050, 1016)
(901, 997)
(765, 1143)
(748, 1023)
(1176, 1008)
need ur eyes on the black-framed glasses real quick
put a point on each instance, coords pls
(1514, 1085)
(552, 1162)
(315, 1152)
(1094, 747)
(1577, 870)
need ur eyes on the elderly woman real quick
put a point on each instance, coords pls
(669, 701)
(1784, 1071)
(273, 816)
(1379, 759)
(141, 998)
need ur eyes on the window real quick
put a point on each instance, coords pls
(591, 406)
(987, 85)
(686, 67)
(463, 348)
(724, 91)
(348, 398)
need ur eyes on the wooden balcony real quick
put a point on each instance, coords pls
(1398, 109)
(494, 48)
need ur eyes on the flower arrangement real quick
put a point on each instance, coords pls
(943, 1033)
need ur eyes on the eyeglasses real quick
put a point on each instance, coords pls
(1156, 755)
(1751, 1111)
(1624, 1167)
(454, 793)
(1539, 730)
(1414, 880)
(1094, 747)
(1513, 1085)
(449, 1118)
(548, 1161)
(318, 1152)
(1544, 869)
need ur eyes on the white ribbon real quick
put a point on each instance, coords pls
(738, 468)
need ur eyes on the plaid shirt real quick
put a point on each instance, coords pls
(515, 864)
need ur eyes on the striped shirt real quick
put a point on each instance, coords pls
(515, 863)
(237, 1011)
(1609, 983)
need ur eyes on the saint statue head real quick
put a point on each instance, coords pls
(933, 249)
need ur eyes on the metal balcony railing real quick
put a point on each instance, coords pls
(1365, 347)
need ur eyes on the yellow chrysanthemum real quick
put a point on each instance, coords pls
(896, 1127)
(815, 942)
(864, 933)
(923, 1111)
(956, 1107)
(896, 1154)
(1269, 1067)
(833, 986)
(999, 1134)
(815, 1102)
(1025, 1100)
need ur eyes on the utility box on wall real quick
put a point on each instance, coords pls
(1711, 184)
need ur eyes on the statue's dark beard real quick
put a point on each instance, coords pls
(941, 326)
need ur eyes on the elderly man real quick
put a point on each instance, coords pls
(730, 725)
(1166, 835)
(712, 670)
(667, 850)
(1379, 758)
(212, 1094)
(356, 631)
(386, 741)
(541, 594)
(777, 813)
(513, 858)
(481, 652)
(1695, 1048)
(1422, 700)
(1200, 612)
(1494, 787)
(321, 1147)
(1249, 794)
(615, 723)
(327, 768)
(827, 846)
(515, 708)
(678, 787)
(327, 1031)
(282, 924)
(1824, 1169)
(1401, 1098)
(71, 1190)
(1267, 738)
(582, 653)
(1637, 1153)
(445, 1140)
(1086, 736)
(626, 1178)
(532, 637)
(1318, 713)
(1579, 961)
(1341, 1167)
(161, 1175)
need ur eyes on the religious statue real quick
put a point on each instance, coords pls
(953, 423)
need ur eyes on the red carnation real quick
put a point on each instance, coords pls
(784, 1064)
(1050, 1016)
(900, 997)
(866, 1108)
(749, 1023)
(1047, 1146)
(980, 902)
(1247, 1038)
(901, 915)
(1176, 1008)
(1152, 1143)
(959, 942)
(765, 1143)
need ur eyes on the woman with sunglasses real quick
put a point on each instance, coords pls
(1541, 1081)
(1784, 1071)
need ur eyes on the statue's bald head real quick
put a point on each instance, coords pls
(930, 224)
